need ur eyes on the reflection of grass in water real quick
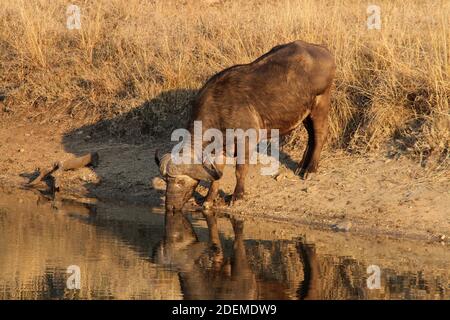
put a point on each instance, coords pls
(341, 277)
(417, 285)
(38, 245)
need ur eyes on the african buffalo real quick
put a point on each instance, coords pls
(288, 85)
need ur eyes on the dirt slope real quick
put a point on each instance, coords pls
(366, 195)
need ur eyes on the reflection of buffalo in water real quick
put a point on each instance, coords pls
(206, 272)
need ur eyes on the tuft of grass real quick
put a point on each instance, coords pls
(136, 63)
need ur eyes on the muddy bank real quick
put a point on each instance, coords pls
(371, 195)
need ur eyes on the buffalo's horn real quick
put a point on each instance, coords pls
(214, 172)
(206, 172)
(163, 163)
(157, 160)
(201, 172)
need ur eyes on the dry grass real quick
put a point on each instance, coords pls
(136, 61)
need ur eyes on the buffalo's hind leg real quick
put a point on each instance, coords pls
(317, 126)
(301, 169)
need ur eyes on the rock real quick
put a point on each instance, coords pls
(158, 183)
(310, 189)
(21, 150)
(291, 174)
(343, 226)
(279, 177)
(207, 205)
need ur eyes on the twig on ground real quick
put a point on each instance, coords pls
(53, 173)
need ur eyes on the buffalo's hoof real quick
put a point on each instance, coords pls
(235, 198)
(208, 205)
(305, 174)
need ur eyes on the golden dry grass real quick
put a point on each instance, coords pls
(392, 86)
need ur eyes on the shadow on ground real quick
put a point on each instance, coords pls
(127, 143)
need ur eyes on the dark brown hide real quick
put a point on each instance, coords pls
(285, 87)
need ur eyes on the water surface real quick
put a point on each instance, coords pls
(128, 252)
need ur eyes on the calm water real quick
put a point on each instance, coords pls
(126, 252)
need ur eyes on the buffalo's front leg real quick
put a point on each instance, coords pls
(212, 195)
(213, 190)
(245, 149)
(239, 190)
(307, 155)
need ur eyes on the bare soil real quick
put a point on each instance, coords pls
(367, 195)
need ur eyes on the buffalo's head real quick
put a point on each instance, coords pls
(182, 179)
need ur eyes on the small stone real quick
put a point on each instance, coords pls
(291, 174)
(158, 183)
(21, 150)
(343, 226)
(310, 189)
(279, 177)
(207, 205)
